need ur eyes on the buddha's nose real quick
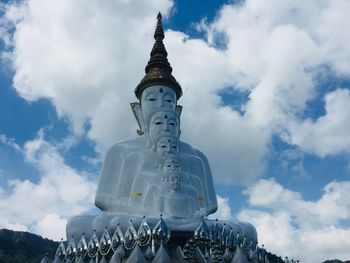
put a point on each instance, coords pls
(160, 102)
(169, 151)
(166, 127)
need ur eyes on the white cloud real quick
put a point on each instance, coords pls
(10, 142)
(329, 133)
(14, 226)
(51, 226)
(86, 58)
(290, 226)
(278, 56)
(224, 209)
(60, 193)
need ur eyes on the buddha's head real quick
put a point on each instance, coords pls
(167, 145)
(158, 88)
(154, 99)
(174, 182)
(171, 164)
(171, 167)
(163, 122)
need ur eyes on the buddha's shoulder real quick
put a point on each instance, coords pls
(190, 149)
(127, 146)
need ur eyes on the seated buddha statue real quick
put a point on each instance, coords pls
(173, 197)
(155, 173)
(158, 115)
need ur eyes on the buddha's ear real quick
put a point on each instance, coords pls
(136, 109)
(178, 110)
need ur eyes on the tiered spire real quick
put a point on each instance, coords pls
(158, 69)
(158, 54)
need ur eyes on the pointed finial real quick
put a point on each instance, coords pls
(159, 33)
(158, 69)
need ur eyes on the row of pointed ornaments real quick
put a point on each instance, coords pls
(208, 244)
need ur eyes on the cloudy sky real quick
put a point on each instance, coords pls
(266, 97)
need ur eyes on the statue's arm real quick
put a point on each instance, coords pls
(213, 203)
(108, 184)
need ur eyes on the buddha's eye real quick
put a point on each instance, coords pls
(158, 123)
(168, 101)
(151, 99)
(174, 147)
(168, 165)
(172, 123)
(163, 146)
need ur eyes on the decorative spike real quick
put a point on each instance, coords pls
(103, 260)
(121, 251)
(144, 234)
(56, 260)
(115, 258)
(44, 260)
(61, 251)
(180, 255)
(82, 247)
(216, 231)
(199, 256)
(105, 243)
(223, 235)
(231, 239)
(244, 242)
(238, 240)
(227, 257)
(252, 255)
(239, 257)
(71, 249)
(161, 256)
(93, 245)
(149, 254)
(161, 232)
(202, 233)
(130, 236)
(118, 255)
(117, 238)
(136, 256)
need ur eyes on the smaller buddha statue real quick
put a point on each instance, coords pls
(172, 198)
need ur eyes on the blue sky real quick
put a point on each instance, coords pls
(272, 77)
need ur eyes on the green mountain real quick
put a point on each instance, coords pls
(22, 247)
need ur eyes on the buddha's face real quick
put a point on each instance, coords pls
(163, 123)
(155, 97)
(171, 165)
(175, 181)
(167, 145)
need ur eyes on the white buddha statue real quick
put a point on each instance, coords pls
(156, 172)
(173, 197)
(129, 167)
(129, 160)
